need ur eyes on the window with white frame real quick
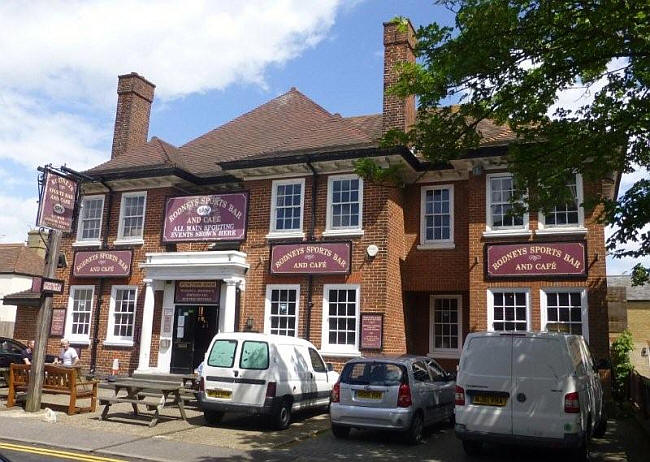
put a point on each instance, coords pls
(446, 325)
(79, 313)
(500, 190)
(340, 318)
(344, 203)
(287, 200)
(121, 316)
(564, 310)
(508, 309)
(90, 218)
(132, 212)
(437, 214)
(281, 309)
(568, 215)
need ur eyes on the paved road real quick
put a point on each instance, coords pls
(21, 452)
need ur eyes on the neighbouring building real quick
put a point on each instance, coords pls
(261, 224)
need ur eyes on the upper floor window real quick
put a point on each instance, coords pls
(568, 215)
(500, 191)
(437, 215)
(287, 203)
(90, 218)
(132, 212)
(344, 204)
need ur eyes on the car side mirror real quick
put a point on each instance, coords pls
(330, 367)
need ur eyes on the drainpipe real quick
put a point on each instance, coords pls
(311, 236)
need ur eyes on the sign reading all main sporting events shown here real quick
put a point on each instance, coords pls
(540, 259)
(58, 198)
(214, 217)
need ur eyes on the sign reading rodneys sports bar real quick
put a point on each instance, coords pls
(311, 258)
(102, 263)
(540, 259)
(56, 207)
(215, 217)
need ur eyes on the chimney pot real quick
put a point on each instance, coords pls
(134, 98)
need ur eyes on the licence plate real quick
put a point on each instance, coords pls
(489, 400)
(223, 394)
(369, 394)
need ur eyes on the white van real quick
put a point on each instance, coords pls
(529, 388)
(265, 374)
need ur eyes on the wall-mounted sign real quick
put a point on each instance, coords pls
(57, 327)
(311, 258)
(57, 202)
(372, 330)
(538, 259)
(102, 263)
(197, 292)
(215, 217)
(47, 286)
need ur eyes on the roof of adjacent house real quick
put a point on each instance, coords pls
(20, 259)
(637, 293)
(289, 124)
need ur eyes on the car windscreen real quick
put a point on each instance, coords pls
(254, 355)
(373, 373)
(222, 353)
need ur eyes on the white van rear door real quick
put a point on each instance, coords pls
(540, 371)
(321, 379)
(486, 375)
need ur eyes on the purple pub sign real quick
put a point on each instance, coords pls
(58, 198)
(215, 217)
(102, 263)
(541, 259)
(311, 258)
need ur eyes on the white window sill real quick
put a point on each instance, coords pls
(343, 232)
(508, 233)
(340, 354)
(560, 231)
(95, 243)
(437, 245)
(444, 354)
(139, 241)
(81, 342)
(285, 235)
(118, 343)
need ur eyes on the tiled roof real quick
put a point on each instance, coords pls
(20, 259)
(637, 293)
(154, 154)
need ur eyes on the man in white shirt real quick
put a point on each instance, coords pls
(68, 355)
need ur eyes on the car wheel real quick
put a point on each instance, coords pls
(472, 448)
(414, 434)
(213, 417)
(601, 425)
(340, 431)
(581, 453)
(452, 419)
(282, 416)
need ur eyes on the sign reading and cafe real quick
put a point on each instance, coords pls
(102, 263)
(214, 217)
(57, 202)
(538, 259)
(311, 258)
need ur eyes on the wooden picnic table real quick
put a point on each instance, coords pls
(138, 390)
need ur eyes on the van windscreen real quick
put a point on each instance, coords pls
(222, 353)
(254, 355)
(373, 373)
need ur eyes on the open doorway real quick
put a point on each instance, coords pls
(194, 327)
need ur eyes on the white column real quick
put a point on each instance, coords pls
(147, 326)
(229, 308)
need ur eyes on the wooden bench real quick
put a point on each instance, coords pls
(58, 380)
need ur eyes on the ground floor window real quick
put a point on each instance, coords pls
(564, 310)
(508, 309)
(121, 317)
(340, 318)
(446, 327)
(79, 313)
(281, 310)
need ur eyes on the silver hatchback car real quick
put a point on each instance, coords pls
(404, 393)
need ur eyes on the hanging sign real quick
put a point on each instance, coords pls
(539, 259)
(47, 286)
(215, 217)
(372, 330)
(57, 328)
(311, 258)
(197, 292)
(57, 202)
(102, 263)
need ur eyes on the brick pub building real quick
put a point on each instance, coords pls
(261, 224)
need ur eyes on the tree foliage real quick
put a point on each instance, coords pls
(621, 365)
(507, 60)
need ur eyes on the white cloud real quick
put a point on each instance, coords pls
(18, 217)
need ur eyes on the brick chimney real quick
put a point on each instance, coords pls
(35, 241)
(398, 47)
(134, 98)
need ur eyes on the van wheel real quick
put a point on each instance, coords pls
(340, 431)
(601, 425)
(282, 416)
(213, 417)
(414, 434)
(472, 448)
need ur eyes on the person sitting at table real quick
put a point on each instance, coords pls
(28, 352)
(68, 355)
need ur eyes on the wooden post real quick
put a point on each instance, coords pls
(35, 387)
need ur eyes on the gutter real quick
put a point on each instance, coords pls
(311, 237)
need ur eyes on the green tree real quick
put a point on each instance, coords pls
(506, 60)
(621, 365)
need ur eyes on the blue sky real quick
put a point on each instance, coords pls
(211, 61)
